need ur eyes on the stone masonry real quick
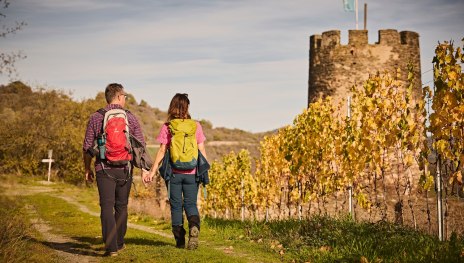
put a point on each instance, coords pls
(335, 68)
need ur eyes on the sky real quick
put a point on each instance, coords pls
(244, 63)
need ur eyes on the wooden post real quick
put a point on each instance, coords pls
(49, 161)
(439, 202)
(243, 199)
(300, 201)
(350, 187)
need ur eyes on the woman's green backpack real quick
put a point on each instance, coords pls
(184, 147)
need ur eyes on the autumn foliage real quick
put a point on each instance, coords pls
(381, 149)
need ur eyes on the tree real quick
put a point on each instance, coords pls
(9, 59)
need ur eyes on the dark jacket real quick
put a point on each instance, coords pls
(202, 169)
(201, 173)
(140, 158)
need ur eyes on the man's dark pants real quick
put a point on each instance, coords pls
(114, 197)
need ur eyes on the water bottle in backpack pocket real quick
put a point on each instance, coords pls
(101, 146)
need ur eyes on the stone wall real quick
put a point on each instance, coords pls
(335, 68)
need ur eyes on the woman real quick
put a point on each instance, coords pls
(183, 188)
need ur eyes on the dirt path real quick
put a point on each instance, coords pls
(69, 249)
(84, 209)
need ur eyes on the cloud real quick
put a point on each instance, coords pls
(68, 6)
(245, 63)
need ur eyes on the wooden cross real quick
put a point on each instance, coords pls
(49, 161)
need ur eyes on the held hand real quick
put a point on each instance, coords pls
(144, 177)
(147, 177)
(89, 176)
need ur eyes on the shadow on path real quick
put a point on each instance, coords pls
(147, 242)
(85, 246)
(71, 247)
(128, 240)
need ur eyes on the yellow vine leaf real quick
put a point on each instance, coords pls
(458, 176)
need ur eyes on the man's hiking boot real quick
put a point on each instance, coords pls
(179, 235)
(194, 231)
(110, 254)
(122, 247)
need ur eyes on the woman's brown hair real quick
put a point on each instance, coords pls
(178, 108)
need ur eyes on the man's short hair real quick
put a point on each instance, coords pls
(112, 90)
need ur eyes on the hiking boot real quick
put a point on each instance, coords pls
(179, 236)
(194, 231)
(193, 238)
(122, 247)
(110, 254)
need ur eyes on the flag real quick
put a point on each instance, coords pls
(348, 5)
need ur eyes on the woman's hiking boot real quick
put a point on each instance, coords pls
(194, 231)
(179, 235)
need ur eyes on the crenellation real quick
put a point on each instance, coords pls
(409, 38)
(357, 37)
(360, 37)
(331, 38)
(315, 41)
(389, 37)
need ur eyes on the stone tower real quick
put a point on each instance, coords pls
(335, 68)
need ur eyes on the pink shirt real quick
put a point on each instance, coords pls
(164, 137)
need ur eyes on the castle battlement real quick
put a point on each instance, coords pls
(334, 68)
(360, 37)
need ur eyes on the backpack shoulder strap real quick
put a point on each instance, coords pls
(102, 111)
(168, 124)
(127, 115)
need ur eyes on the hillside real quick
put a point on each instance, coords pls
(55, 113)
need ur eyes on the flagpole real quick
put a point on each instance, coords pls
(365, 16)
(356, 10)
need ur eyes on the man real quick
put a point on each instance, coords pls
(113, 181)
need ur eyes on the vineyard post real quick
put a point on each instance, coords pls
(300, 207)
(439, 202)
(350, 187)
(438, 179)
(243, 200)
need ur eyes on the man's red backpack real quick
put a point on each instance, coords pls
(114, 137)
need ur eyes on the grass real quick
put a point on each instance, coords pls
(319, 239)
(141, 246)
(17, 242)
(323, 239)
